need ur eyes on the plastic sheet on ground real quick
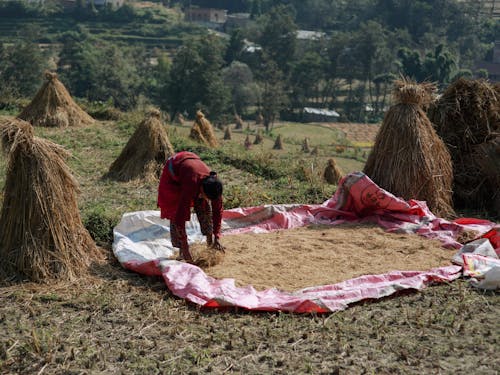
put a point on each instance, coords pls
(142, 244)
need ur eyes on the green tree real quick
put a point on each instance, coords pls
(306, 79)
(244, 91)
(279, 36)
(23, 67)
(196, 79)
(274, 98)
(235, 47)
(100, 71)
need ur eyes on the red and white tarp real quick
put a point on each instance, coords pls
(142, 244)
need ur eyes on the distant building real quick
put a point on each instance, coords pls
(206, 15)
(489, 8)
(112, 3)
(311, 114)
(237, 21)
(310, 35)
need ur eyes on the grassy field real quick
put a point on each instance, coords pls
(115, 321)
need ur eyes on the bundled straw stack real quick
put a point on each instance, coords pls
(145, 153)
(305, 145)
(179, 119)
(259, 120)
(41, 233)
(258, 138)
(332, 173)
(53, 106)
(278, 144)
(467, 118)
(247, 144)
(10, 129)
(238, 121)
(408, 158)
(202, 131)
(227, 134)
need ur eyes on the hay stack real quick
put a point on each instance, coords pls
(305, 145)
(53, 106)
(227, 134)
(247, 143)
(41, 233)
(408, 158)
(145, 153)
(332, 173)
(278, 144)
(10, 129)
(179, 119)
(258, 138)
(202, 131)
(467, 118)
(259, 120)
(238, 121)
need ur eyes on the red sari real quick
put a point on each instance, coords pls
(180, 186)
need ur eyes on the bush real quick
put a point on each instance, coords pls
(100, 226)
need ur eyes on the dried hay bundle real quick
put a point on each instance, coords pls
(258, 138)
(247, 143)
(278, 144)
(179, 119)
(238, 121)
(408, 158)
(202, 131)
(10, 129)
(467, 116)
(41, 233)
(305, 145)
(259, 120)
(145, 153)
(332, 173)
(53, 106)
(478, 186)
(197, 135)
(227, 134)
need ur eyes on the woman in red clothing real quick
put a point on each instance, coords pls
(188, 182)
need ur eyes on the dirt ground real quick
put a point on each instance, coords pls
(319, 255)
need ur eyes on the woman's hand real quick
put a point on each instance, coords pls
(217, 245)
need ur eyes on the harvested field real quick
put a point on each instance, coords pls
(319, 255)
(362, 133)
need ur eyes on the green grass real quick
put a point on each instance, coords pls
(115, 321)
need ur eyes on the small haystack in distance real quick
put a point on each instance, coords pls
(53, 106)
(179, 118)
(145, 153)
(466, 117)
(247, 144)
(278, 144)
(41, 233)
(305, 145)
(259, 120)
(408, 158)
(238, 121)
(227, 134)
(202, 131)
(258, 138)
(332, 173)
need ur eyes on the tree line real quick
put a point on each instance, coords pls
(264, 67)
